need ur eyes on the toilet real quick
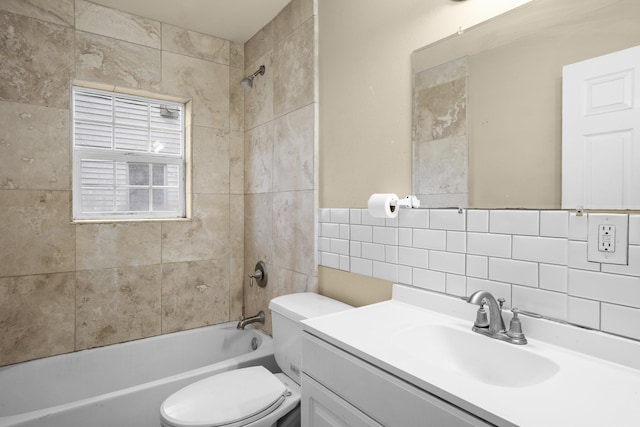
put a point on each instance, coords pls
(253, 396)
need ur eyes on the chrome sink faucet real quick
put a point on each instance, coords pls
(495, 328)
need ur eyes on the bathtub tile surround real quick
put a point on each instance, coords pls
(536, 260)
(64, 286)
(280, 146)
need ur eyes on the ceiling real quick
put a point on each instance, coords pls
(235, 20)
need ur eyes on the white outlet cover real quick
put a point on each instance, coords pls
(621, 222)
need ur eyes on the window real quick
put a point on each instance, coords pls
(128, 156)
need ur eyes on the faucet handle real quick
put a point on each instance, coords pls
(515, 329)
(482, 321)
(501, 302)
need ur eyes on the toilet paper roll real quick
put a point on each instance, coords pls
(383, 205)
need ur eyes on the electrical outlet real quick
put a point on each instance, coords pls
(608, 238)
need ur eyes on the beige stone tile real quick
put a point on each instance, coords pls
(116, 24)
(117, 304)
(236, 99)
(34, 147)
(210, 148)
(204, 81)
(55, 11)
(205, 236)
(294, 70)
(441, 111)
(36, 316)
(293, 225)
(258, 158)
(197, 45)
(37, 61)
(106, 60)
(291, 17)
(236, 55)
(258, 101)
(443, 166)
(258, 228)
(195, 294)
(236, 162)
(293, 152)
(260, 44)
(236, 288)
(117, 245)
(36, 235)
(236, 226)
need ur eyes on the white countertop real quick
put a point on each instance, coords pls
(586, 390)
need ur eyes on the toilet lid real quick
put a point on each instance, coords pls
(224, 398)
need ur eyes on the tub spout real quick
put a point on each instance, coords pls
(260, 317)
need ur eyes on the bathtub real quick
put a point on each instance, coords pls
(124, 384)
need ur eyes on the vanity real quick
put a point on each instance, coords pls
(414, 361)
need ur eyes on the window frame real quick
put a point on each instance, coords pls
(80, 153)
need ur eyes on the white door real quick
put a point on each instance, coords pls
(601, 132)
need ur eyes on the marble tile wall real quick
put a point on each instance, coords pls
(536, 260)
(280, 181)
(440, 147)
(67, 287)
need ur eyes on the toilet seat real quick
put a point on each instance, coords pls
(229, 399)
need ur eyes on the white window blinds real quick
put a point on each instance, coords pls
(128, 156)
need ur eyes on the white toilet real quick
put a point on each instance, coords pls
(254, 397)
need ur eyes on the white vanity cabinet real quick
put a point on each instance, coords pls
(339, 389)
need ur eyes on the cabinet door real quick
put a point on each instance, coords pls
(322, 408)
(381, 396)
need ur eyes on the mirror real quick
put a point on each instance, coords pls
(487, 103)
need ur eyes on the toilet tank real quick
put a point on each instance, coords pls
(287, 312)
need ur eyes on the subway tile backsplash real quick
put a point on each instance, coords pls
(536, 260)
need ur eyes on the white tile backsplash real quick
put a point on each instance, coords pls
(512, 271)
(515, 222)
(340, 216)
(456, 241)
(430, 239)
(540, 249)
(447, 219)
(634, 229)
(385, 235)
(554, 223)
(496, 245)
(478, 266)
(547, 303)
(448, 262)
(620, 320)
(578, 256)
(456, 285)
(429, 279)
(413, 257)
(478, 221)
(553, 277)
(413, 218)
(536, 260)
(605, 287)
(583, 312)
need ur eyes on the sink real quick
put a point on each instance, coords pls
(484, 359)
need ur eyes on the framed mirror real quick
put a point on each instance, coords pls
(487, 103)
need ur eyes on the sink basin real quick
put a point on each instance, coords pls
(482, 358)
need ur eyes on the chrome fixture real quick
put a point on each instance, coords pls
(247, 82)
(259, 275)
(258, 318)
(495, 327)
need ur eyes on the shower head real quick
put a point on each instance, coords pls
(247, 82)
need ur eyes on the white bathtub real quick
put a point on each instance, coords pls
(123, 384)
